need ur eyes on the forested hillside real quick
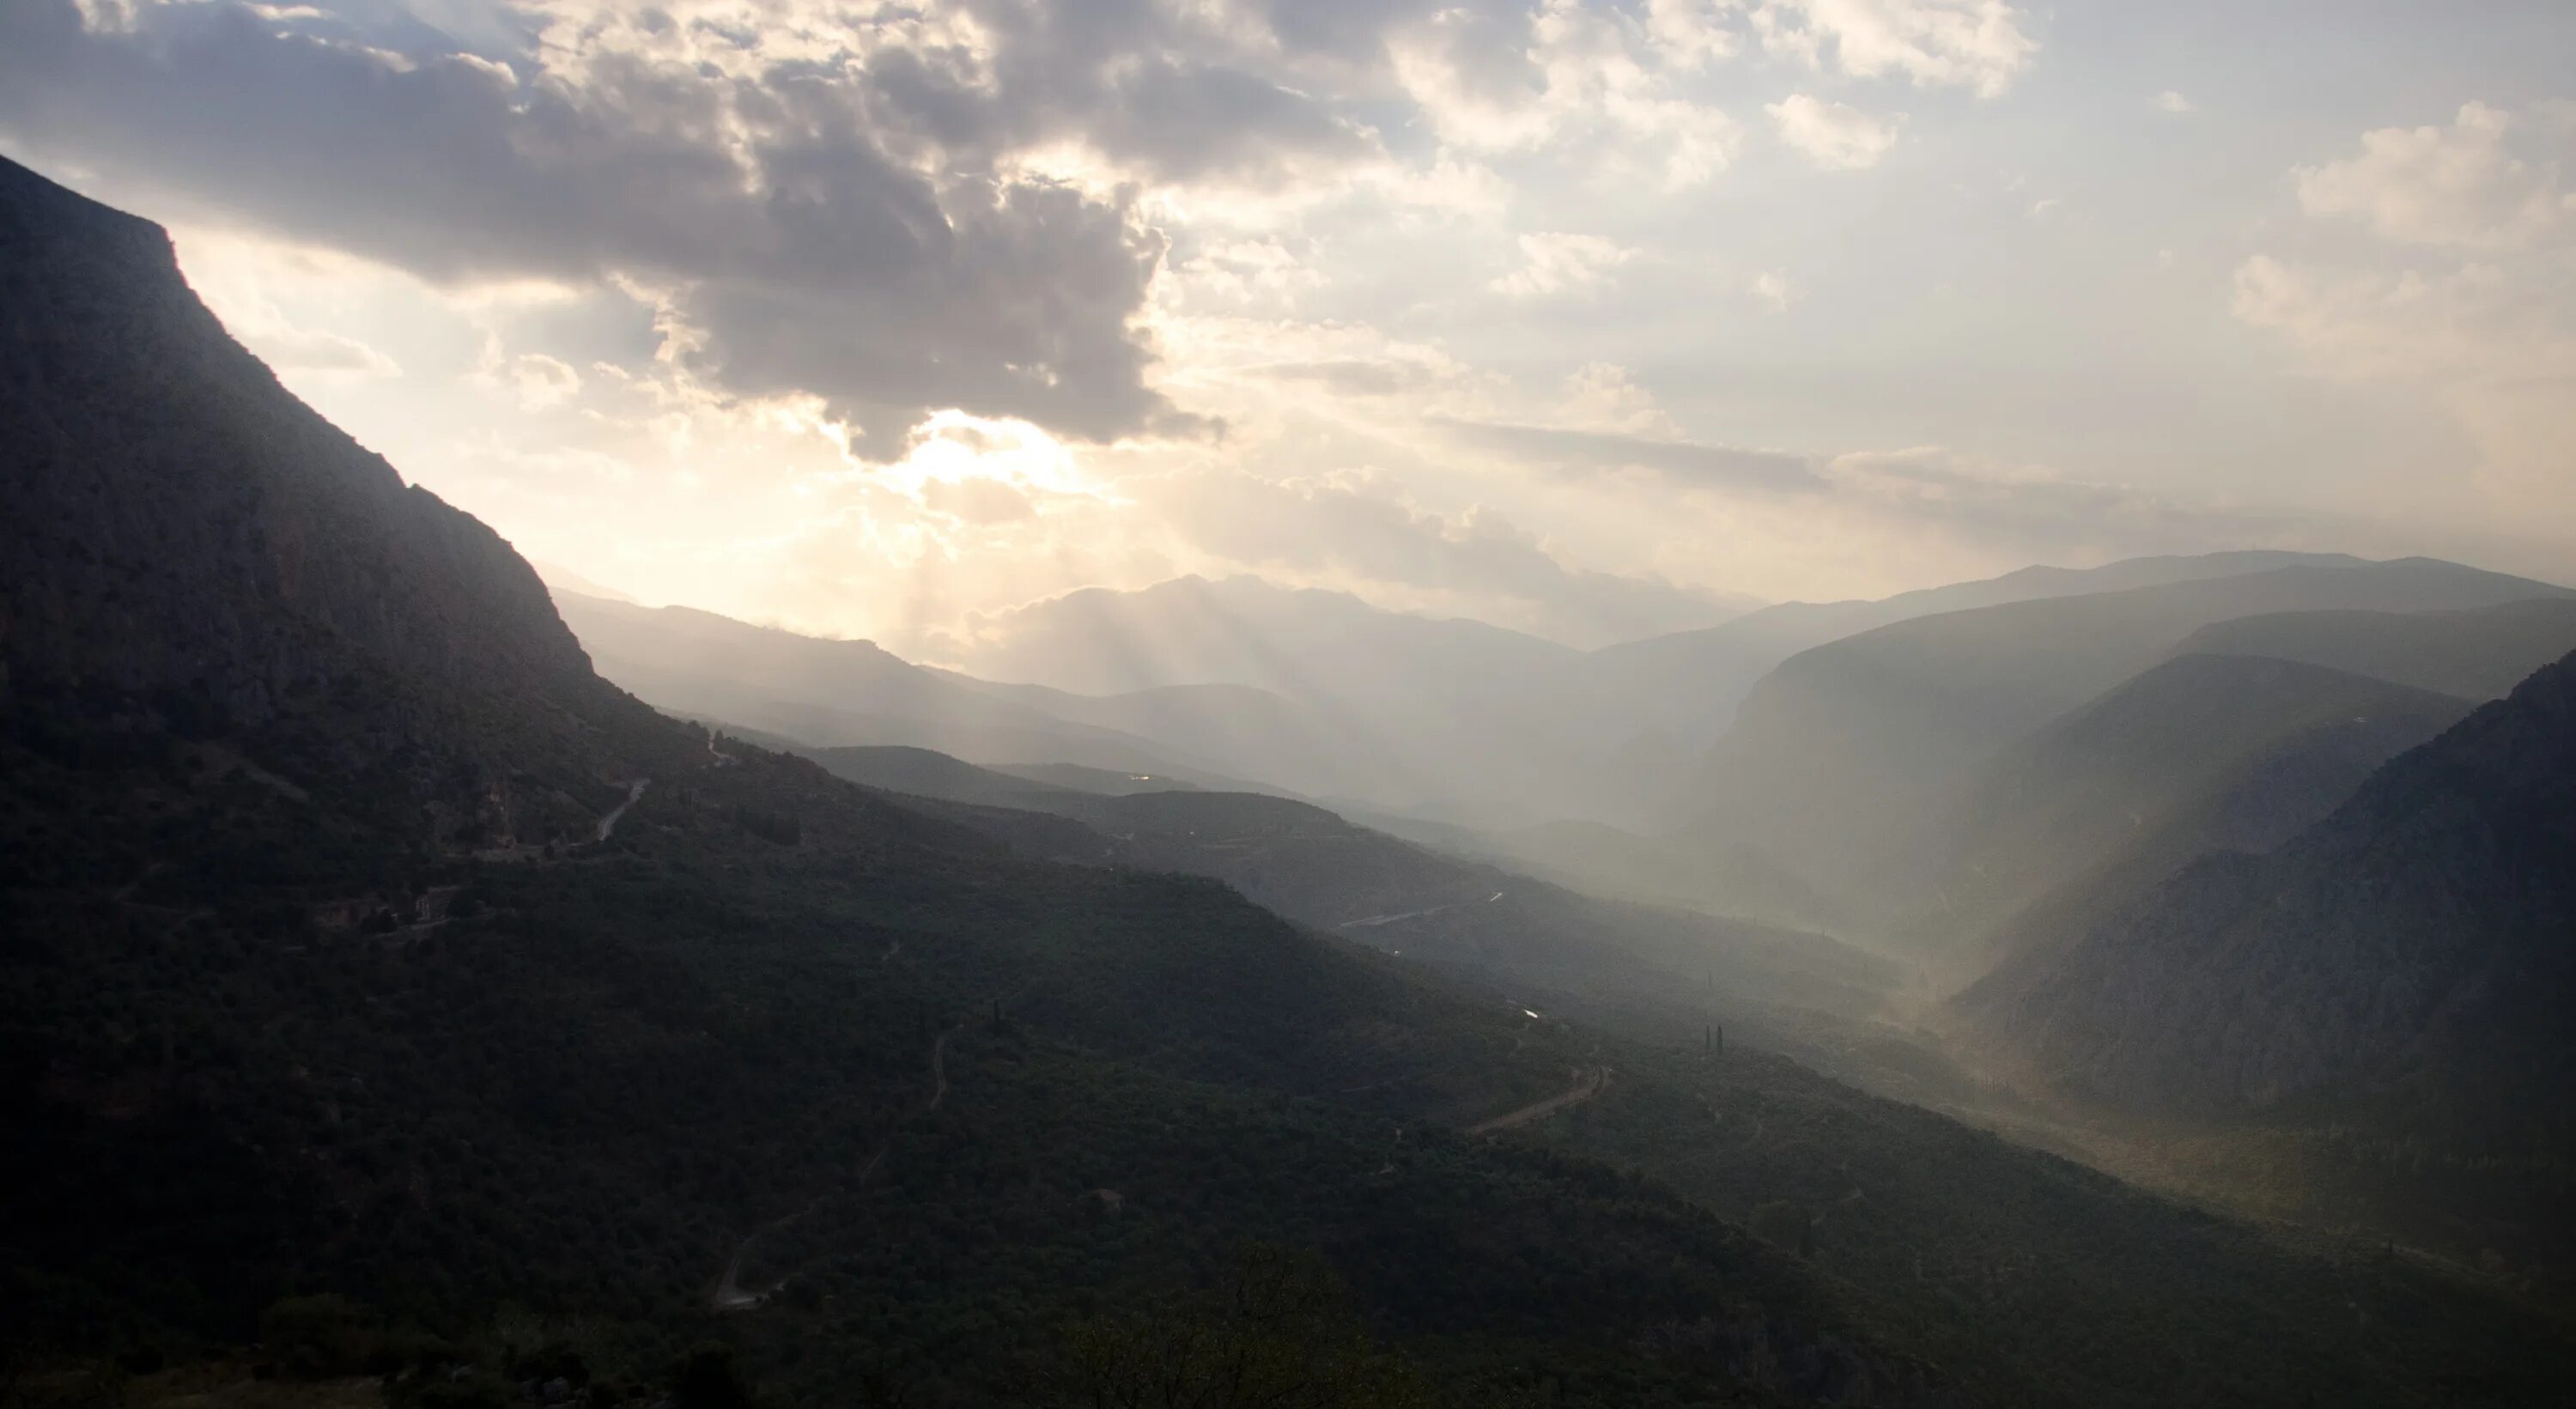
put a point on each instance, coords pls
(2403, 964)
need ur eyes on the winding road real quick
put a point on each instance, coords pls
(1588, 1083)
(634, 790)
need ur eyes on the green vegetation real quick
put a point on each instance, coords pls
(348, 1063)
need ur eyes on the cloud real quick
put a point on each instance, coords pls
(1555, 264)
(2461, 185)
(851, 230)
(1691, 34)
(1602, 396)
(1776, 288)
(2466, 302)
(1573, 79)
(2032, 514)
(2471, 320)
(1353, 376)
(978, 500)
(2170, 101)
(1835, 136)
(1972, 44)
(541, 381)
(1719, 466)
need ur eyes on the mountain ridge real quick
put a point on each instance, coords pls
(1850, 748)
(2456, 844)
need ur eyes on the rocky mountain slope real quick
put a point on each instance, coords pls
(2409, 956)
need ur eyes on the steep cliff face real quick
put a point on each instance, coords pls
(213, 559)
(2413, 954)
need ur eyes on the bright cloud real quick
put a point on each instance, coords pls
(867, 317)
(1835, 136)
(1555, 263)
(2468, 298)
(1974, 44)
(2463, 184)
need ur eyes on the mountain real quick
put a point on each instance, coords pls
(382, 986)
(1540, 942)
(2478, 654)
(1249, 732)
(1939, 1219)
(1446, 718)
(2404, 964)
(249, 572)
(1683, 688)
(2233, 745)
(2197, 754)
(852, 692)
(1081, 780)
(391, 1011)
(829, 692)
(1844, 755)
(1295, 642)
(2417, 933)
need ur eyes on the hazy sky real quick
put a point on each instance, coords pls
(1576, 316)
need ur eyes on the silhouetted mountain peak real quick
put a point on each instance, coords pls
(213, 555)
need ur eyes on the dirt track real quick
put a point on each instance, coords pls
(1588, 1082)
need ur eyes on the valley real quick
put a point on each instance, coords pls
(425, 986)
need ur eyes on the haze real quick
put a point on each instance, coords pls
(1287, 704)
(1591, 320)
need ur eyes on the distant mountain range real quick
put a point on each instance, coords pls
(1845, 756)
(2199, 753)
(1314, 693)
(851, 692)
(1686, 686)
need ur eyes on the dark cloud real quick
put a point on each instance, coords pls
(1154, 92)
(820, 227)
(1484, 559)
(1767, 470)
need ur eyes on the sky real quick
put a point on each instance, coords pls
(1590, 319)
